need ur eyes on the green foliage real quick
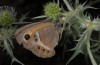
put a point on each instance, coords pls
(6, 36)
(84, 40)
(7, 17)
(81, 24)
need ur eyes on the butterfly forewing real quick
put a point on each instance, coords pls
(40, 38)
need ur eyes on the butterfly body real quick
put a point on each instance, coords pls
(40, 38)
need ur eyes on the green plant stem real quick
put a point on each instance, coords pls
(6, 46)
(90, 54)
(89, 32)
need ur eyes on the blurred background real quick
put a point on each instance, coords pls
(35, 8)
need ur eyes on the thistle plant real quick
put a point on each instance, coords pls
(52, 10)
(7, 17)
(84, 26)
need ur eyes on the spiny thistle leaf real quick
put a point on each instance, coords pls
(23, 17)
(10, 52)
(80, 46)
(6, 38)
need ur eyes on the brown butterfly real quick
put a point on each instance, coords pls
(40, 38)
